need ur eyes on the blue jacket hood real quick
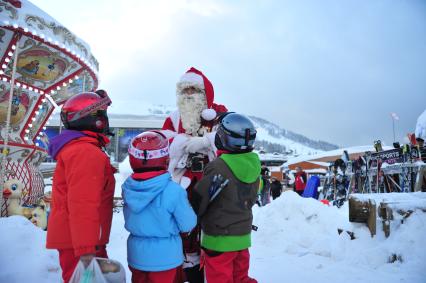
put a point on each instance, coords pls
(139, 194)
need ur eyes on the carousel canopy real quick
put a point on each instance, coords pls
(52, 64)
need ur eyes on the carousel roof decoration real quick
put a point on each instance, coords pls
(52, 64)
(42, 64)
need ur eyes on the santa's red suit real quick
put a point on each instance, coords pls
(191, 132)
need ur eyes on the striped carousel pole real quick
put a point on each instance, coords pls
(5, 151)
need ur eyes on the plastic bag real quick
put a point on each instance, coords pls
(100, 270)
(91, 274)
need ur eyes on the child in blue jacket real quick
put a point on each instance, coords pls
(156, 210)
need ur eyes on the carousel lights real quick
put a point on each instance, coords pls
(76, 77)
(41, 92)
(26, 138)
(33, 119)
(10, 53)
(64, 84)
(7, 60)
(36, 90)
(5, 79)
(24, 86)
(18, 84)
(37, 144)
(70, 81)
(44, 128)
(43, 100)
(25, 29)
(4, 66)
(1, 72)
(15, 26)
(30, 125)
(13, 47)
(40, 106)
(37, 112)
(30, 88)
(58, 88)
(27, 131)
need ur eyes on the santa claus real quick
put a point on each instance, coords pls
(191, 131)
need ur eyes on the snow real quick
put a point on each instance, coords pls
(262, 134)
(23, 254)
(297, 241)
(421, 126)
(407, 201)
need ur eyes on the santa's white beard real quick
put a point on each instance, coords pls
(190, 108)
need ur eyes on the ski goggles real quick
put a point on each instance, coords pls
(100, 105)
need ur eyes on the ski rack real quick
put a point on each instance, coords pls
(372, 173)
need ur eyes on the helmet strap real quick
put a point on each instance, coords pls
(247, 137)
(145, 156)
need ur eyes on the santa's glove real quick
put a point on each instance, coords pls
(197, 144)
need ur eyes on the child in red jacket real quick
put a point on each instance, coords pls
(83, 183)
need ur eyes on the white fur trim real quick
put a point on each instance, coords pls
(192, 78)
(175, 117)
(189, 80)
(208, 114)
(176, 148)
(191, 260)
(185, 182)
(211, 137)
(169, 134)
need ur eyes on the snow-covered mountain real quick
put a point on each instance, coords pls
(270, 137)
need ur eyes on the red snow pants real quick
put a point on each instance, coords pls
(68, 261)
(166, 276)
(227, 267)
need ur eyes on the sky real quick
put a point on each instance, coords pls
(331, 70)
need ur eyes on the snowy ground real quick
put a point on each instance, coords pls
(297, 241)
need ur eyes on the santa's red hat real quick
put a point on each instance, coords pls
(196, 78)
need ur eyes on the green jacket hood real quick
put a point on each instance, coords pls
(245, 166)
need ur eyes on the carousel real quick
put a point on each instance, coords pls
(42, 65)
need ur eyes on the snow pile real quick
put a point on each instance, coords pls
(23, 253)
(298, 240)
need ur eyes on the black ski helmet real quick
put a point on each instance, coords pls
(236, 133)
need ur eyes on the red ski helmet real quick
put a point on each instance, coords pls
(87, 111)
(149, 151)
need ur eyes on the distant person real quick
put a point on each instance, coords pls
(300, 181)
(276, 188)
(156, 210)
(265, 186)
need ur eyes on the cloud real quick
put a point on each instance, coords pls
(331, 70)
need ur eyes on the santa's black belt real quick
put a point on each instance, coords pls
(196, 162)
